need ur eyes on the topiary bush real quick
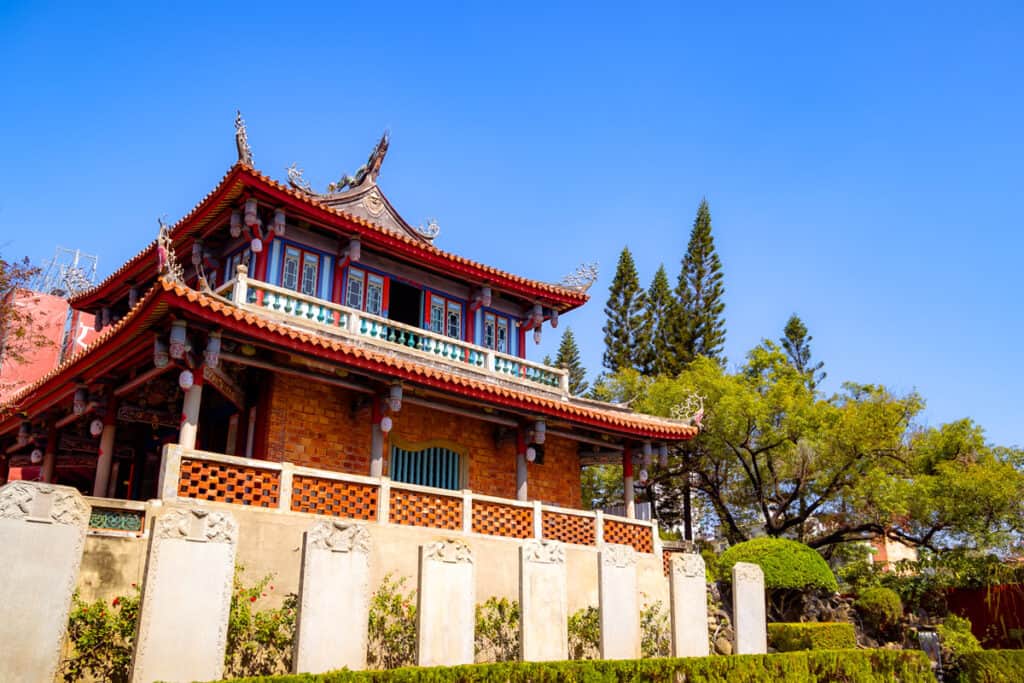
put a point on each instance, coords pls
(880, 610)
(812, 636)
(956, 640)
(790, 570)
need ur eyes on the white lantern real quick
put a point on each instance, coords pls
(485, 296)
(531, 454)
(211, 356)
(554, 318)
(251, 214)
(256, 245)
(279, 221)
(79, 402)
(236, 223)
(24, 432)
(96, 427)
(386, 424)
(178, 339)
(197, 253)
(186, 379)
(540, 432)
(643, 476)
(161, 357)
(663, 455)
(36, 457)
(395, 398)
(355, 249)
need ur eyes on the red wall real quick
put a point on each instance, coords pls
(993, 612)
(49, 314)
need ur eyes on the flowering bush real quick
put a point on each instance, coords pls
(392, 627)
(101, 637)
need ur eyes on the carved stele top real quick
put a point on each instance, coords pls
(340, 537)
(747, 572)
(450, 550)
(616, 555)
(56, 504)
(196, 524)
(544, 552)
(687, 565)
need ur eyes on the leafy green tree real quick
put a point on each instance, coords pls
(602, 486)
(797, 345)
(624, 313)
(698, 324)
(655, 357)
(569, 358)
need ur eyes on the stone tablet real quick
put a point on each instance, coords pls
(446, 604)
(688, 593)
(42, 531)
(186, 597)
(619, 603)
(748, 610)
(334, 598)
(544, 603)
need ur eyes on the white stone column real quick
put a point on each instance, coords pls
(521, 492)
(619, 602)
(376, 439)
(446, 604)
(105, 456)
(42, 532)
(543, 600)
(186, 597)
(688, 598)
(749, 621)
(334, 598)
(190, 412)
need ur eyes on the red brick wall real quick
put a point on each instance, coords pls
(312, 424)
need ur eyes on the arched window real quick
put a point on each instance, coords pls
(431, 466)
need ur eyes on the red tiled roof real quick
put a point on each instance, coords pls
(165, 295)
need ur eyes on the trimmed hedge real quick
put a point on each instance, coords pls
(906, 666)
(811, 636)
(786, 564)
(990, 666)
(880, 608)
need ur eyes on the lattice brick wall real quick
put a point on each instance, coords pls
(557, 526)
(226, 483)
(413, 508)
(629, 534)
(335, 498)
(497, 519)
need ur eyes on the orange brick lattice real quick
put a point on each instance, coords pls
(335, 498)
(629, 534)
(557, 526)
(226, 483)
(413, 508)
(497, 519)
(666, 560)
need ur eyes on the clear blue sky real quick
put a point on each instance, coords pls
(863, 161)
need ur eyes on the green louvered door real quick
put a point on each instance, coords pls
(437, 467)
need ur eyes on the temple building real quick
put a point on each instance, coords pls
(316, 353)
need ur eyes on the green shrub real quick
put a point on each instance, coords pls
(880, 609)
(496, 636)
(101, 639)
(391, 638)
(584, 633)
(989, 666)
(259, 642)
(811, 636)
(655, 637)
(786, 564)
(956, 640)
(907, 666)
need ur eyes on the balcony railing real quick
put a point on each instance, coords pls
(293, 307)
(201, 475)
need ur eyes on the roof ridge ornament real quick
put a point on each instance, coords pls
(297, 181)
(430, 231)
(167, 264)
(368, 172)
(690, 410)
(582, 278)
(242, 140)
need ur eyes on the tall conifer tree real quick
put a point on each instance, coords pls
(698, 324)
(657, 321)
(797, 344)
(569, 358)
(624, 313)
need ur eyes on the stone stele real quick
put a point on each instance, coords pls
(688, 597)
(619, 604)
(543, 600)
(749, 620)
(334, 598)
(186, 597)
(42, 527)
(445, 615)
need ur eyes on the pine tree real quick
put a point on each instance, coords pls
(797, 344)
(624, 312)
(698, 326)
(569, 358)
(657, 319)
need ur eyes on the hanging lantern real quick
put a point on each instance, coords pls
(211, 356)
(531, 454)
(540, 431)
(554, 318)
(178, 339)
(251, 214)
(355, 249)
(236, 223)
(643, 476)
(36, 456)
(536, 335)
(197, 253)
(79, 402)
(24, 432)
(279, 221)
(160, 356)
(256, 245)
(395, 398)
(186, 379)
(386, 424)
(96, 427)
(647, 453)
(485, 296)
(663, 455)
